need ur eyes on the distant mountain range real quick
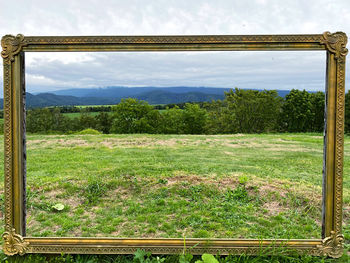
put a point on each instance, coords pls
(122, 92)
(113, 95)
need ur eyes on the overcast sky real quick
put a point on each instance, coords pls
(270, 70)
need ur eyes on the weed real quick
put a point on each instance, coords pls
(141, 256)
(162, 181)
(240, 193)
(93, 191)
(207, 258)
(243, 179)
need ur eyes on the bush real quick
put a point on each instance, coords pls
(88, 131)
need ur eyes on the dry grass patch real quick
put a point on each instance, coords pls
(137, 142)
(57, 143)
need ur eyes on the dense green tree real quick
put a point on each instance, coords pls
(318, 111)
(38, 120)
(255, 111)
(47, 120)
(103, 122)
(152, 122)
(297, 112)
(173, 121)
(130, 116)
(60, 122)
(220, 118)
(194, 118)
(87, 121)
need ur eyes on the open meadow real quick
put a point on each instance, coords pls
(222, 186)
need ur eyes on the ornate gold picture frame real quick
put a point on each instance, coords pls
(14, 48)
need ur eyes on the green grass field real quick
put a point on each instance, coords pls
(77, 114)
(227, 186)
(93, 106)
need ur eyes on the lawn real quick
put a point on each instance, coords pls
(227, 186)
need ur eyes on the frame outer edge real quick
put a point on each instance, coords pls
(15, 244)
(336, 44)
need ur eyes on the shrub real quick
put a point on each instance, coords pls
(88, 131)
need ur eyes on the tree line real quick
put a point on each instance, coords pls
(241, 111)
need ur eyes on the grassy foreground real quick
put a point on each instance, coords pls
(228, 186)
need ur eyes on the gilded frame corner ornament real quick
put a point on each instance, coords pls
(11, 46)
(336, 43)
(15, 240)
(14, 243)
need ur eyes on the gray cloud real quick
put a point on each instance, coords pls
(270, 70)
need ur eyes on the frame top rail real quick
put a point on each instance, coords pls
(333, 42)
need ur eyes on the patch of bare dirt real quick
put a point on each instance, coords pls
(193, 179)
(274, 208)
(117, 232)
(233, 145)
(222, 183)
(265, 189)
(56, 196)
(53, 193)
(119, 192)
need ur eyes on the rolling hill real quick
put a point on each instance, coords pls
(113, 95)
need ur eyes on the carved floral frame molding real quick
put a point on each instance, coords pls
(15, 240)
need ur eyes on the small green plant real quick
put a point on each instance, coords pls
(162, 181)
(142, 256)
(30, 196)
(243, 179)
(58, 207)
(185, 258)
(93, 191)
(240, 193)
(207, 258)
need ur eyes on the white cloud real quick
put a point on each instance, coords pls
(170, 17)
